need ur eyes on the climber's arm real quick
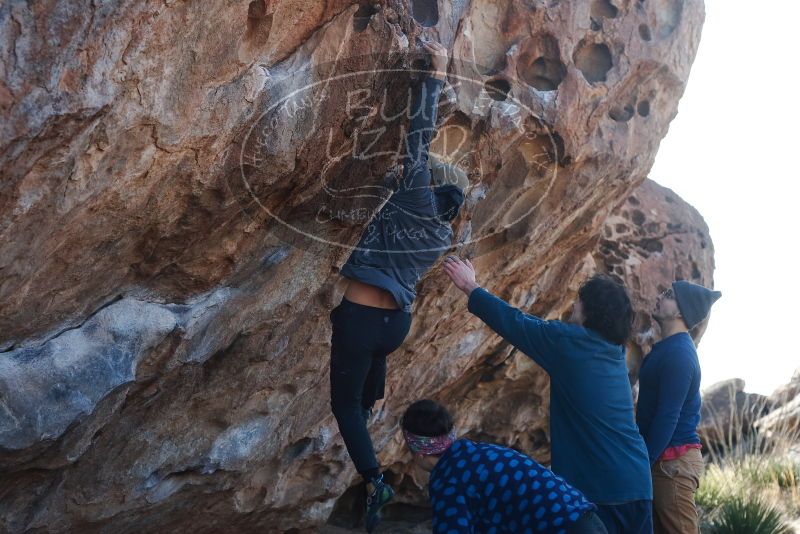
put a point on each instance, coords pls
(530, 334)
(675, 380)
(416, 174)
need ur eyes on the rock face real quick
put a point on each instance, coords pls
(173, 213)
(786, 393)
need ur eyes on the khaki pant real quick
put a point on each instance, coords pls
(674, 485)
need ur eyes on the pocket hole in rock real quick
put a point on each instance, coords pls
(644, 32)
(540, 65)
(426, 12)
(621, 114)
(498, 89)
(362, 17)
(594, 61)
(259, 23)
(603, 9)
(696, 271)
(668, 16)
(643, 108)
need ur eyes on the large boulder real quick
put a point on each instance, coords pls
(787, 392)
(728, 415)
(783, 421)
(174, 209)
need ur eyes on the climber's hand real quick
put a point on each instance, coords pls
(462, 273)
(438, 58)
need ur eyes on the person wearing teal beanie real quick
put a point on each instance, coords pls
(668, 411)
(694, 301)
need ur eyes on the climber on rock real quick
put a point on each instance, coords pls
(596, 445)
(668, 411)
(480, 487)
(399, 245)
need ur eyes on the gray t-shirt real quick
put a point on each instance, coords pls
(405, 238)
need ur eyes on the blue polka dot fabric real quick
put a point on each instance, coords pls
(481, 487)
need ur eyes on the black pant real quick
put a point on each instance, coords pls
(363, 336)
(634, 517)
(589, 523)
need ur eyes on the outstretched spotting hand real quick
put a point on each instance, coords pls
(462, 273)
(438, 58)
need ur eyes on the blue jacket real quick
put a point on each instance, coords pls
(596, 445)
(669, 395)
(405, 238)
(480, 487)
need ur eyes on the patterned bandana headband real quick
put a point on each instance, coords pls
(429, 445)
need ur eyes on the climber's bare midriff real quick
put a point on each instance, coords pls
(369, 295)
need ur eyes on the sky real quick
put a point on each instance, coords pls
(731, 153)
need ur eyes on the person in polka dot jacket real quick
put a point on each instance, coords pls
(481, 487)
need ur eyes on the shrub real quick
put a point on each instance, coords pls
(742, 514)
(716, 486)
(752, 479)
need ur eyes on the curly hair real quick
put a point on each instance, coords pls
(607, 308)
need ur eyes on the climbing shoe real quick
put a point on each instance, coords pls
(376, 500)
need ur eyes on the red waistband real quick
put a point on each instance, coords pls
(672, 453)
